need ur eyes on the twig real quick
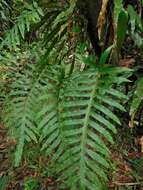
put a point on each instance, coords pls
(127, 184)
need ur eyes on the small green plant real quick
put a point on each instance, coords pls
(31, 184)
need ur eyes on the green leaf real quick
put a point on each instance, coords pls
(118, 6)
(3, 182)
(137, 98)
(122, 25)
(105, 55)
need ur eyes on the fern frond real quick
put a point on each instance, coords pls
(22, 106)
(58, 26)
(88, 123)
(77, 122)
(27, 17)
(20, 112)
(48, 117)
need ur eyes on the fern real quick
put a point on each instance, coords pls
(22, 105)
(77, 121)
(58, 27)
(3, 6)
(26, 18)
(20, 112)
(70, 116)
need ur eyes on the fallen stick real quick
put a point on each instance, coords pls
(127, 184)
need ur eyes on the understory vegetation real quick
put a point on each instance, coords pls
(71, 95)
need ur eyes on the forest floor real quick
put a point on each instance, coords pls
(127, 173)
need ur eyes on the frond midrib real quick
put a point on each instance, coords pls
(85, 128)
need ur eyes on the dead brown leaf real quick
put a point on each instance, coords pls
(128, 62)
